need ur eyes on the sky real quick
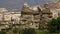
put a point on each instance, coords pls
(17, 4)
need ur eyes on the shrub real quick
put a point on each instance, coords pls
(2, 32)
(15, 30)
(54, 25)
(29, 31)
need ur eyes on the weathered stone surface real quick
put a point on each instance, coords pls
(28, 17)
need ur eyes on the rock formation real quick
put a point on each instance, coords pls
(31, 17)
(35, 19)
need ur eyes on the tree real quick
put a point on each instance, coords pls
(54, 25)
(15, 30)
(2, 32)
(29, 31)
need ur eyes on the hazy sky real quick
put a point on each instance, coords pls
(17, 4)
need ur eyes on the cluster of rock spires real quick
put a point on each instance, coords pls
(35, 19)
(32, 17)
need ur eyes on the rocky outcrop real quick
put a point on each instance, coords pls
(35, 18)
(28, 17)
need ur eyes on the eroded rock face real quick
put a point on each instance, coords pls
(35, 19)
(46, 15)
(29, 18)
(5, 18)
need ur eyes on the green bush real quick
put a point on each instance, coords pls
(29, 31)
(54, 25)
(15, 30)
(2, 32)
